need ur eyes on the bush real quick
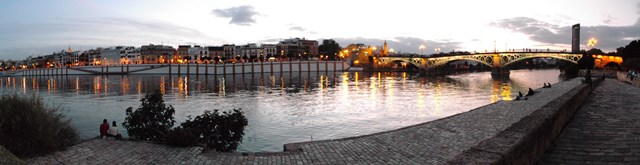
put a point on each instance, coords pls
(152, 120)
(222, 132)
(29, 128)
(181, 137)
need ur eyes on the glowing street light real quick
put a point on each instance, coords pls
(422, 47)
(592, 42)
(437, 50)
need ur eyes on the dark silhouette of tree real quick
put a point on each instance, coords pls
(631, 51)
(221, 131)
(329, 48)
(586, 62)
(152, 120)
(631, 55)
(595, 51)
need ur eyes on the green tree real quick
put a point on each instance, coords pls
(152, 120)
(329, 48)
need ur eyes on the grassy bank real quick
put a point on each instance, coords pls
(30, 128)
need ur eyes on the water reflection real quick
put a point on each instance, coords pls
(288, 107)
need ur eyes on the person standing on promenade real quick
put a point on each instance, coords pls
(104, 128)
(113, 131)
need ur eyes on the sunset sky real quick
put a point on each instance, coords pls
(32, 27)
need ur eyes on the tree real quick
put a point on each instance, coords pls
(221, 131)
(595, 51)
(586, 62)
(152, 120)
(330, 48)
(632, 50)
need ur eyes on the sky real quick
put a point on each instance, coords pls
(40, 27)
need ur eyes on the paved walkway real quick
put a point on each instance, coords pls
(605, 130)
(435, 142)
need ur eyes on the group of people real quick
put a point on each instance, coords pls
(106, 131)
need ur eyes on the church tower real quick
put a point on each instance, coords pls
(69, 50)
(385, 49)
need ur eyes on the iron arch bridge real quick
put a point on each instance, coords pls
(494, 60)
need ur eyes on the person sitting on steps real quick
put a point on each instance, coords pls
(113, 131)
(530, 93)
(104, 129)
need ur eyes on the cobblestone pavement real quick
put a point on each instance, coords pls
(109, 151)
(434, 142)
(605, 130)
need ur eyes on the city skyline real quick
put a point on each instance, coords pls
(41, 27)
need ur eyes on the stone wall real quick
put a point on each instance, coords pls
(622, 76)
(525, 141)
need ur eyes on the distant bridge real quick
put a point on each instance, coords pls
(498, 60)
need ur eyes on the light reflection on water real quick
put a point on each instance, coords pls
(285, 108)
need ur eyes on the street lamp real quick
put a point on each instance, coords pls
(592, 42)
(422, 47)
(437, 50)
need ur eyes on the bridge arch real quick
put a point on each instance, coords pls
(507, 60)
(440, 61)
(409, 63)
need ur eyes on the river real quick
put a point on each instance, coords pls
(284, 108)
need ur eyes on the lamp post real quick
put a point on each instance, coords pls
(422, 47)
(592, 42)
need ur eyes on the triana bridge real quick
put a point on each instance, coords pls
(498, 60)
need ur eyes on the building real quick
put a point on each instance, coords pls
(130, 55)
(298, 48)
(90, 57)
(182, 52)
(575, 38)
(250, 51)
(229, 51)
(196, 53)
(113, 55)
(385, 49)
(65, 57)
(269, 50)
(215, 52)
(154, 54)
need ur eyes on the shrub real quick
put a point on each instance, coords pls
(223, 132)
(152, 120)
(181, 137)
(29, 128)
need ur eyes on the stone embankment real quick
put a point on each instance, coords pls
(511, 126)
(187, 69)
(605, 130)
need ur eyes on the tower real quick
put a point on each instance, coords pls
(385, 49)
(69, 50)
(575, 38)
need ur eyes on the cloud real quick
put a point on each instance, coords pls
(609, 37)
(404, 44)
(241, 15)
(41, 38)
(297, 28)
(608, 19)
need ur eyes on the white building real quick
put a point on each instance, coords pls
(196, 53)
(112, 55)
(130, 55)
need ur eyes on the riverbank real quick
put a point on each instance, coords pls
(186, 69)
(435, 142)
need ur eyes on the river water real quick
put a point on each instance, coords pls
(284, 108)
